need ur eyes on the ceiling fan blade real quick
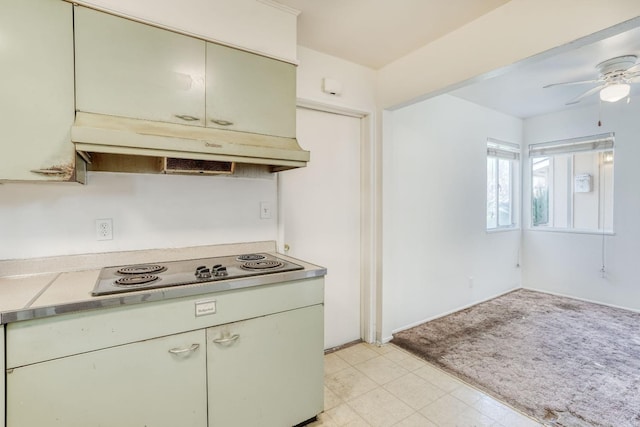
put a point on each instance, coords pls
(585, 94)
(574, 83)
(634, 68)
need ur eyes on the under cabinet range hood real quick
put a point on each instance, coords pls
(111, 135)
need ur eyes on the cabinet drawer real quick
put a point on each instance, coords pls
(43, 339)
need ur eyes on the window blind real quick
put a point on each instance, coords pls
(502, 149)
(600, 142)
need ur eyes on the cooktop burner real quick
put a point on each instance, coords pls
(141, 269)
(250, 257)
(129, 278)
(262, 265)
(138, 280)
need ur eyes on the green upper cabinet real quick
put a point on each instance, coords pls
(36, 91)
(125, 68)
(250, 93)
(129, 69)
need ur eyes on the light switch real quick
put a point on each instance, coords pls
(265, 210)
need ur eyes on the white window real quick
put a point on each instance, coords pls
(572, 184)
(503, 180)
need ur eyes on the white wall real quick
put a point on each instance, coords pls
(148, 211)
(569, 263)
(434, 216)
(358, 82)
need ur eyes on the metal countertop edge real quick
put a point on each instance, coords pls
(159, 294)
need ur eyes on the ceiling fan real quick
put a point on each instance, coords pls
(614, 82)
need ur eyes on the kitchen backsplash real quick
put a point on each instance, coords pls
(147, 211)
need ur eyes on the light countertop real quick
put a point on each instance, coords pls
(50, 286)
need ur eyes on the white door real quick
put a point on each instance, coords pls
(320, 215)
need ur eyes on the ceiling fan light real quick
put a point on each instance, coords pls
(615, 92)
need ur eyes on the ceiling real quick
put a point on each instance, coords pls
(374, 33)
(519, 92)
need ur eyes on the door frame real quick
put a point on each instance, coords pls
(368, 218)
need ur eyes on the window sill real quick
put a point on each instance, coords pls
(572, 231)
(502, 229)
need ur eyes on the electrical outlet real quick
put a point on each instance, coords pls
(104, 229)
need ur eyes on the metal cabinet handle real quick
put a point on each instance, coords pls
(191, 348)
(52, 171)
(221, 122)
(226, 340)
(187, 118)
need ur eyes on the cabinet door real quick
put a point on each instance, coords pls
(266, 371)
(250, 93)
(125, 68)
(159, 383)
(36, 101)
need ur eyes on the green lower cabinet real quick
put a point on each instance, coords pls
(155, 383)
(266, 371)
(256, 361)
(2, 376)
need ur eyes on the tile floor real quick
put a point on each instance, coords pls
(367, 385)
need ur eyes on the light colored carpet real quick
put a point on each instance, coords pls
(564, 362)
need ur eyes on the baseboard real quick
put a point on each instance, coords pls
(386, 339)
(340, 347)
(558, 294)
(394, 331)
